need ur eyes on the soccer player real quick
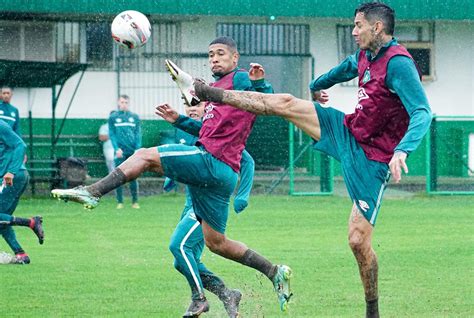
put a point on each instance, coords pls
(126, 137)
(14, 182)
(187, 241)
(8, 112)
(372, 144)
(209, 169)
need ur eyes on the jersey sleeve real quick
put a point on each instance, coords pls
(344, 72)
(16, 148)
(247, 170)
(138, 133)
(403, 79)
(112, 133)
(188, 125)
(16, 126)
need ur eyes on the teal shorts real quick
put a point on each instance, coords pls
(210, 181)
(365, 179)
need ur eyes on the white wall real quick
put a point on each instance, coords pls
(451, 93)
(95, 97)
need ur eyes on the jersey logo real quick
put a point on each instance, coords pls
(364, 205)
(131, 119)
(118, 120)
(1, 112)
(366, 77)
(361, 94)
(182, 141)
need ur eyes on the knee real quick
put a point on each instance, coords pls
(176, 265)
(358, 242)
(283, 108)
(143, 154)
(174, 248)
(216, 245)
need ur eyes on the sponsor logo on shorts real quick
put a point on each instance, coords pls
(364, 205)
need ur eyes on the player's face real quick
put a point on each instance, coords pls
(123, 104)
(363, 32)
(6, 95)
(195, 112)
(221, 59)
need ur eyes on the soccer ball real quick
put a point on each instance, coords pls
(131, 29)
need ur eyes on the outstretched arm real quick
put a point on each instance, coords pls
(182, 122)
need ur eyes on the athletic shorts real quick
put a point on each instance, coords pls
(365, 179)
(210, 181)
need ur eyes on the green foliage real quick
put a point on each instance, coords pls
(112, 262)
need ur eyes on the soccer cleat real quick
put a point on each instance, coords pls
(184, 82)
(22, 259)
(231, 303)
(119, 206)
(281, 283)
(135, 206)
(78, 194)
(197, 307)
(36, 225)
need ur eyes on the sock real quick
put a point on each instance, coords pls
(260, 263)
(372, 308)
(21, 221)
(113, 180)
(208, 93)
(215, 285)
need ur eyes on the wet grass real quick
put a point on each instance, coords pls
(116, 262)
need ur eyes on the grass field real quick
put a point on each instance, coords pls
(116, 262)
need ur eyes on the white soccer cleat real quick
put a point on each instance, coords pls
(184, 82)
(78, 194)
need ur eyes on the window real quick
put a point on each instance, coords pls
(165, 41)
(417, 38)
(345, 47)
(99, 45)
(268, 39)
(30, 41)
(67, 42)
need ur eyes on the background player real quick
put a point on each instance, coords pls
(14, 182)
(126, 137)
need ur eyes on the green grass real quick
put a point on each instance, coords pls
(116, 263)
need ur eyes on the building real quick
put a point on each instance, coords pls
(295, 41)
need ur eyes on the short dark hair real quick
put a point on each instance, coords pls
(381, 11)
(226, 41)
(124, 97)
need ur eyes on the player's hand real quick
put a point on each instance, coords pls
(166, 112)
(240, 205)
(119, 153)
(320, 96)
(256, 72)
(397, 164)
(8, 178)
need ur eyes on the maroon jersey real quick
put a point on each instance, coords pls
(380, 120)
(225, 129)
